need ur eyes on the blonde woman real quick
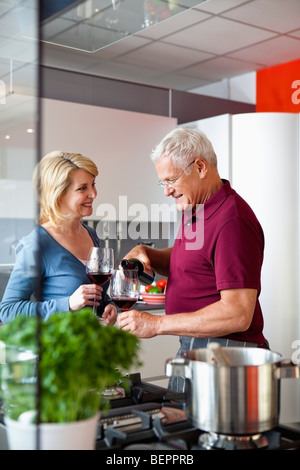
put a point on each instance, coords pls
(61, 243)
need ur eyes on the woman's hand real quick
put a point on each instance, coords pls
(86, 294)
(110, 314)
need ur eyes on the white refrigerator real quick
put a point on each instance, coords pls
(259, 154)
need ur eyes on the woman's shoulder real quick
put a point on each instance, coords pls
(30, 237)
(35, 237)
(29, 243)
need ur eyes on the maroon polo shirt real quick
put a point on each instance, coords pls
(221, 247)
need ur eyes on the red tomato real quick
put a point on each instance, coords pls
(162, 284)
(147, 288)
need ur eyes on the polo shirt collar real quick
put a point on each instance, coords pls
(211, 205)
(217, 199)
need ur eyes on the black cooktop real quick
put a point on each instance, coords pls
(153, 418)
(146, 417)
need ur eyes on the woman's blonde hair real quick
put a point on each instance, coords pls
(53, 177)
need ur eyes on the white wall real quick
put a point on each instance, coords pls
(260, 156)
(17, 199)
(218, 130)
(120, 142)
(241, 88)
(17, 162)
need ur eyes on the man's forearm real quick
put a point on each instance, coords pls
(160, 259)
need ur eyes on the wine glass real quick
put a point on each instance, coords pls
(99, 266)
(125, 288)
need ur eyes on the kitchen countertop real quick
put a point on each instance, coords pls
(140, 305)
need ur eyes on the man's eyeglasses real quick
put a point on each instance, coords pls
(163, 184)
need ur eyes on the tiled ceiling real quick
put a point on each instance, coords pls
(217, 39)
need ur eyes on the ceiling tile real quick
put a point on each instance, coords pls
(295, 34)
(218, 6)
(219, 36)
(275, 51)
(122, 47)
(19, 22)
(49, 30)
(4, 7)
(18, 49)
(164, 56)
(174, 24)
(270, 14)
(62, 57)
(86, 37)
(220, 67)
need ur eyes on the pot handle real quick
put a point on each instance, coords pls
(287, 370)
(178, 367)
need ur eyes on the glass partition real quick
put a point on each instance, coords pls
(19, 98)
(18, 125)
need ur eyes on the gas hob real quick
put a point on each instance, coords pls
(154, 419)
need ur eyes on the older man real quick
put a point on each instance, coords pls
(214, 267)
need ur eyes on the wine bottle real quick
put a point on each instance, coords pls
(134, 263)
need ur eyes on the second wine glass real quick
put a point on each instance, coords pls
(99, 266)
(124, 288)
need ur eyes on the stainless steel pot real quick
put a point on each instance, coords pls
(238, 399)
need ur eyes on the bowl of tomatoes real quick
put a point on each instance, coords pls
(155, 294)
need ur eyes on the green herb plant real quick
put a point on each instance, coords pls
(79, 357)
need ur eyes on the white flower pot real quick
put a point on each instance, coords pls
(77, 435)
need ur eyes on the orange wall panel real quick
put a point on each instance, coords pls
(278, 88)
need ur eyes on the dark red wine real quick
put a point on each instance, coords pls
(99, 278)
(124, 303)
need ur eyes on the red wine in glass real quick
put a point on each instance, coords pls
(124, 303)
(99, 278)
(99, 266)
(124, 288)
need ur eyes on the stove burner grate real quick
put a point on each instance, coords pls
(211, 440)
